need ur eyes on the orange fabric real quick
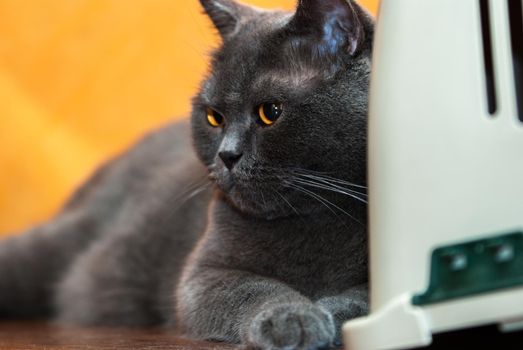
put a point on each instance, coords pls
(81, 79)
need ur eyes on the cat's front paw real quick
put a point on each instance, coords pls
(344, 308)
(292, 326)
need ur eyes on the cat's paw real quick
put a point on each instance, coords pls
(342, 309)
(292, 326)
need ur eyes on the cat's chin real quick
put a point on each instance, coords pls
(255, 198)
(254, 210)
(254, 204)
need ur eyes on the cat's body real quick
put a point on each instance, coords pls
(281, 255)
(134, 210)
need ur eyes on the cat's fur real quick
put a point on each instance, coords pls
(276, 265)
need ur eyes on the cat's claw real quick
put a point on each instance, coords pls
(292, 326)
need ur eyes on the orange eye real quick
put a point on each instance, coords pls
(214, 118)
(270, 112)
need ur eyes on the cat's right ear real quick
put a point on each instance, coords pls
(226, 15)
(338, 24)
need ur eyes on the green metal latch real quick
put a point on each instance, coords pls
(474, 267)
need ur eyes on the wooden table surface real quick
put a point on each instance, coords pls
(45, 336)
(35, 335)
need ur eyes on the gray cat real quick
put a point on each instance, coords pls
(272, 205)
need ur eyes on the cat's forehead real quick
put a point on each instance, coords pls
(242, 83)
(260, 57)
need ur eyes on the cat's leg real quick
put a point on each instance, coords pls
(128, 276)
(32, 263)
(348, 305)
(236, 306)
(109, 285)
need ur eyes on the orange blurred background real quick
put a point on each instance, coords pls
(80, 80)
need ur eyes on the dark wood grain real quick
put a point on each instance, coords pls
(34, 335)
(45, 336)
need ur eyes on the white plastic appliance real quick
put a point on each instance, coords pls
(445, 171)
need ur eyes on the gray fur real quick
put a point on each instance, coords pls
(278, 238)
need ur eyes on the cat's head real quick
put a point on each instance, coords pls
(283, 110)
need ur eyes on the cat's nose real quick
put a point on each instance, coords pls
(230, 158)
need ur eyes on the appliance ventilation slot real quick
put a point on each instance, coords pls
(515, 12)
(488, 56)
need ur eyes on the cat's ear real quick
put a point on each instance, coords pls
(226, 15)
(337, 24)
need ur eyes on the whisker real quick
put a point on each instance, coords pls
(181, 198)
(324, 201)
(314, 196)
(263, 198)
(286, 201)
(308, 171)
(333, 189)
(330, 179)
(190, 190)
(195, 192)
(328, 183)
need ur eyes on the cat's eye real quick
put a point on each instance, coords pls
(214, 118)
(269, 112)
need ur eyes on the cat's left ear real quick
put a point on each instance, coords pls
(226, 15)
(338, 24)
